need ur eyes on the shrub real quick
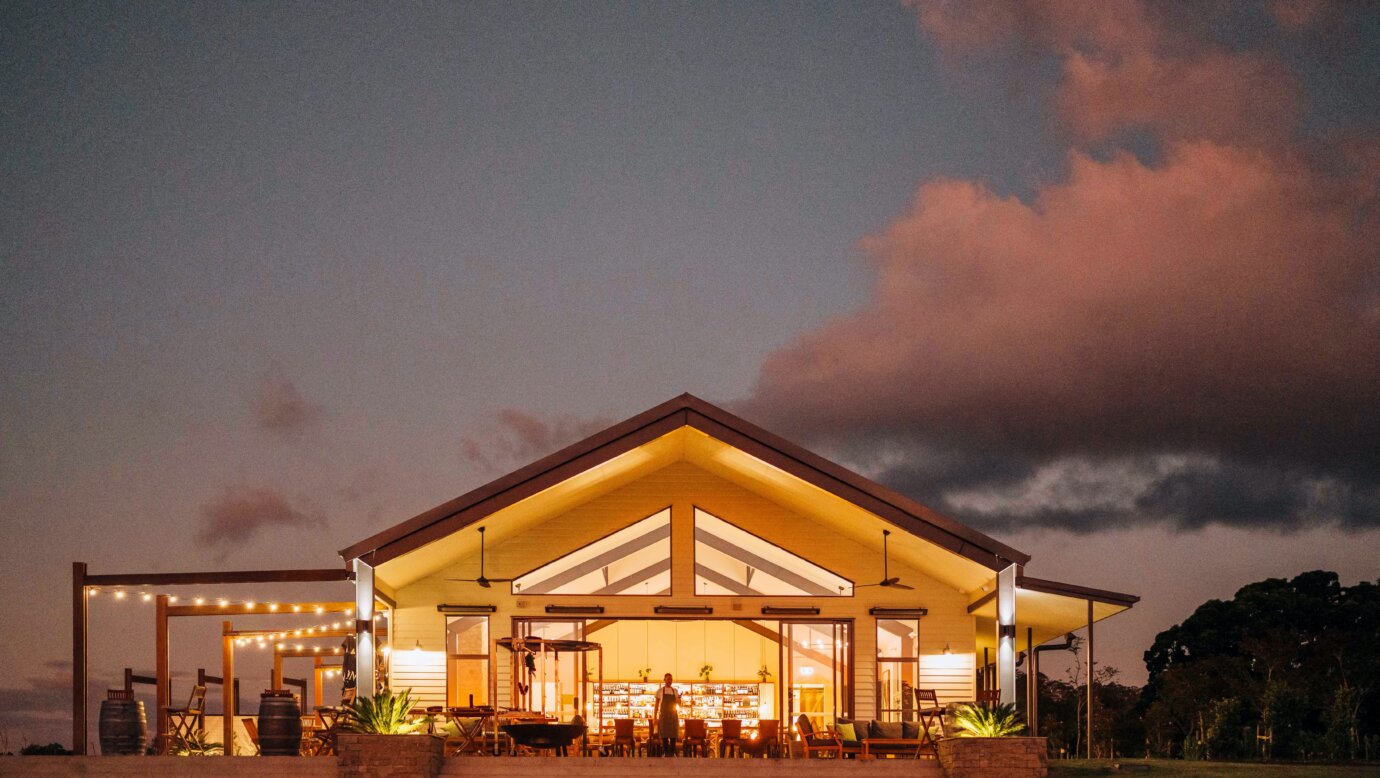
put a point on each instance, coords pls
(197, 744)
(383, 714)
(987, 721)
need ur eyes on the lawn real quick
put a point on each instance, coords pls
(1177, 767)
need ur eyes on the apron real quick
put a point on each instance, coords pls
(668, 723)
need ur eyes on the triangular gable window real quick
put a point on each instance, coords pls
(731, 561)
(633, 560)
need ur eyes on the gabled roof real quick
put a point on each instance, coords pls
(684, 411)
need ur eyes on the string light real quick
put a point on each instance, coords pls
(273, 606)
(119, 594)
(249, 605)
(198, 601)
(147, 597)
(297, 609)
(320, 610)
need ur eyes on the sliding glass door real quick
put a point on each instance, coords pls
(817, 671)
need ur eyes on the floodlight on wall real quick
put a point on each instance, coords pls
(467, 608)
(574, 609)
(912, 613)
(779, 610)
(684, 610)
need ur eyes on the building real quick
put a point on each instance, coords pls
(687, 540)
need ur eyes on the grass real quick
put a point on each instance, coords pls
(1154, 768)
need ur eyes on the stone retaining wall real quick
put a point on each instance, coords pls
(994, 757)
(387, 756)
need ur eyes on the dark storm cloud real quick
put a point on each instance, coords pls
(516, 438)
(1191, 340)
(281, 408)
(241, 512)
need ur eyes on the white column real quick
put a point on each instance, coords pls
(364, 629)
(1006, 634)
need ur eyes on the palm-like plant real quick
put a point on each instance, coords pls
(383, 714)
(988, 720)
(197, 743)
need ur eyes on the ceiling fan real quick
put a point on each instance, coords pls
(887, 580)
(481, 580)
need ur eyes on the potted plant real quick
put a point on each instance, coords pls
(377, 733)
(763, 673)
(197, 743)
(705, 670)
(987, 738)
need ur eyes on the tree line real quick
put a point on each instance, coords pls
(1286, 670)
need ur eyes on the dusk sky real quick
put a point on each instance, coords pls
(1100, 279)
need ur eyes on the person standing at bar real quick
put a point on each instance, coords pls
(667, 716)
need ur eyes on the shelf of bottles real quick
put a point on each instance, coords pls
(714, 701)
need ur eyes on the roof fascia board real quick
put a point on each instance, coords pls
(1081, 592)
(896, 508)
(455, 514)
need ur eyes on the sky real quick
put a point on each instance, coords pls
(1101, 279)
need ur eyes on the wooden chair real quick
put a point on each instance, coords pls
(123, 695)
(768, 740)
(695, 738)
(328, 723)
(184, 723)
(931, 718)
(252, 728)
(625, 738)
(824, 741)
(731, 739)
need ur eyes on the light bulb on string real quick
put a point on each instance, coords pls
(147, 597)
(297, 609)
(198, 601)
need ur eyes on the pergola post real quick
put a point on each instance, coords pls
(1006, 634)
(227, 687)
(364, 628)
(79, 612)
(1032, 683)
(1092, 663)
(162, 671)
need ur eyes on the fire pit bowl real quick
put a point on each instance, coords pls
(539, 735)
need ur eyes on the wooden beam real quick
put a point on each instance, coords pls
(79, 622)
(162, 671)
(326, 632)
(220, 577)
(227, 691)
(260, 609)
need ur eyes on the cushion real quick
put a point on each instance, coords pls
(847, 732)
(910, 730)
(883, 729)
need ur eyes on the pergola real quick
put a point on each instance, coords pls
(362, 608)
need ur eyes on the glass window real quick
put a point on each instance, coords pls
(898, 667)
(467, 660)
(732, 561)
(633, 560)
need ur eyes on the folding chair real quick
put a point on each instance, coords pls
(184, 723)
(252, 728)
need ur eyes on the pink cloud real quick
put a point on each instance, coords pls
(280, 407)
(241, 512)
(518, 437)
(1220, 299)
(1132, 65)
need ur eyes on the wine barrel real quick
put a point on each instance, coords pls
(280, 724)
(124, 728)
